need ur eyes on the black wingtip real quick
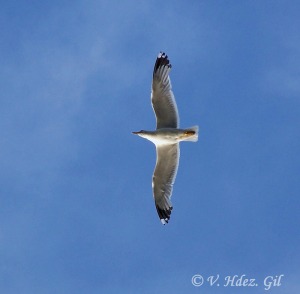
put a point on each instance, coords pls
(161, 60)
(164, 214)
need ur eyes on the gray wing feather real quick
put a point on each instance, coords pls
(162, 97)
(167, 161)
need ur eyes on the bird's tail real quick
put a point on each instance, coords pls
(194, 134)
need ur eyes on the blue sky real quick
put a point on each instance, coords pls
(77, 214)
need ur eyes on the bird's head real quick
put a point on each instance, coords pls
(188, 133)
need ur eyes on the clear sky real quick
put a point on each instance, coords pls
(76, 207)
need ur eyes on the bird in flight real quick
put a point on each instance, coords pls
(166, 137)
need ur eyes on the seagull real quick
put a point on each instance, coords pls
(166, 137)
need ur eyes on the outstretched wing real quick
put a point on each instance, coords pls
(167, 160)
(162, 97)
